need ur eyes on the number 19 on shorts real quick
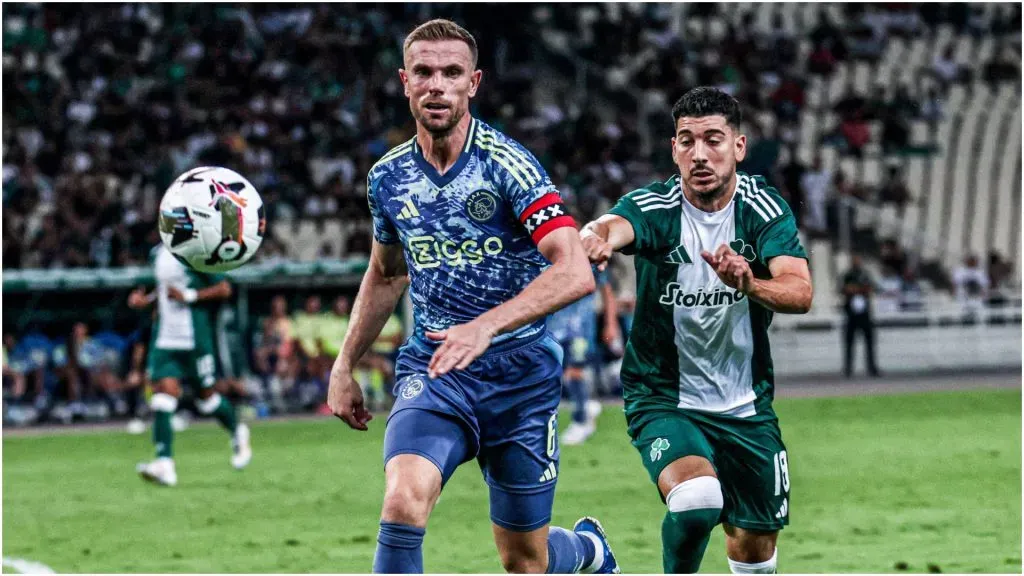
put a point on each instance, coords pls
(781, 473)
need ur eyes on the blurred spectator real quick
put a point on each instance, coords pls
(855, 134)
(970, 284)
(999, 271)
(274, 355)
(788, 99)
(1003, 67)
(790, 181)
(931, 106)
(894, 190)
(911, 294)
(816, 183)
(945, 69)
(891, 256)
(313, 363)
(857, 288)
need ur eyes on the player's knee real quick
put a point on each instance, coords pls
(750, 547)
(696, 504)
(167, 386)
(408, 503)
(163, 402)
(208, 401)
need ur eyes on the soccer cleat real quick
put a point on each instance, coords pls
(605, 562)
(593, 409)
(577, 434)
(159, 471)
(241, 450)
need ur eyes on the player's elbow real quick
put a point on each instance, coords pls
(583, 282)
(803, 306)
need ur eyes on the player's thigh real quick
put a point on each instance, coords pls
(202, 371)
(439, 438)
(753, 467)
(519, 456)
(673, 449)
(522, 552)
(162, 363)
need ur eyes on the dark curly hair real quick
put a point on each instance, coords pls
(708, 101)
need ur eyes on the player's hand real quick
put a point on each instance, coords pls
(460, 345)
(137, 299)
(731, 268)
(598, 250)
(345, 399)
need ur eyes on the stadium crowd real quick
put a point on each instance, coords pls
(106, 104)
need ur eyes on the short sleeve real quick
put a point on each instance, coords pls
(534, 198)
(648, 232)
(384, 230)
(779, 238)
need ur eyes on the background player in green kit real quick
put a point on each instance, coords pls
(183, 348)
(717, 253)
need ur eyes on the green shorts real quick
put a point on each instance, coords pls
(197, 367)
(748, 455)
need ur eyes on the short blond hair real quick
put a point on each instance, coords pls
(440, 29)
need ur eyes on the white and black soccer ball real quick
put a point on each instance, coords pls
(212, 219)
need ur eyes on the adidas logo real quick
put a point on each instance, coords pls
(549, 474)
(784, 509)
(409, 211)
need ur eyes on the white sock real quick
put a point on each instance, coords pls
(766, 567)
(598, 553)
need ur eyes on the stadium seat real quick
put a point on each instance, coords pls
(958, 190)
(1007, 237)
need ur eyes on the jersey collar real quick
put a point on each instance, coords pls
(442, 180)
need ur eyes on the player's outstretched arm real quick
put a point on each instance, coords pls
(139, 300)
(606, 235)
(788, 291)
(219, 291)
(383, 283)
(568, 279)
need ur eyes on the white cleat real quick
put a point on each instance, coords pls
(593, 409)
(577, 434)
(241, 449)
(159, 471)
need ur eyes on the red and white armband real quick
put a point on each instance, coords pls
(546, 214)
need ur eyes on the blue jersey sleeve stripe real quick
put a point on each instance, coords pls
(517, 156)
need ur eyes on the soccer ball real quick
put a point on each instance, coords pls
(212, 219)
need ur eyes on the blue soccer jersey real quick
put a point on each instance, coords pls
(469, 236)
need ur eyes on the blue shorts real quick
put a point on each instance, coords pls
(502, 410)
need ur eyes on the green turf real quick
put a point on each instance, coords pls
(879, 483)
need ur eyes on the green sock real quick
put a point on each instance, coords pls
(225, 414)
(684, 537)
(163, 433)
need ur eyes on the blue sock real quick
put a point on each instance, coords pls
(578, 395)
(399, 549)
(568, 552)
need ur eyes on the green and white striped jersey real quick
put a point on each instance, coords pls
(695, 342)
(182, 326)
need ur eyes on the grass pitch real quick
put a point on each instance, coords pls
(917, 483)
